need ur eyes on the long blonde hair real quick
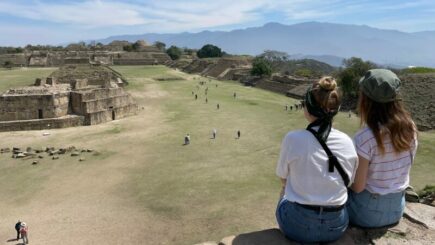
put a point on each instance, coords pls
(390, 119)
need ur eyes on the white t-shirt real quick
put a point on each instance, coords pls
(304, 164)
(388, 173)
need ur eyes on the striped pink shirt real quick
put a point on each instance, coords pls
(388, 172)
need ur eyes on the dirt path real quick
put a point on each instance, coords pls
(85, 204)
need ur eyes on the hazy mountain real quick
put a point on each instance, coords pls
(312, 39)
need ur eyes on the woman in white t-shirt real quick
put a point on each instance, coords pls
(386, 147)
(315, 183)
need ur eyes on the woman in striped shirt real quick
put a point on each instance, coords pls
(386, 147)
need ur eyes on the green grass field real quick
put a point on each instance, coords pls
(206, 190)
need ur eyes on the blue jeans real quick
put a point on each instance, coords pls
(373, 210)
(306, 226)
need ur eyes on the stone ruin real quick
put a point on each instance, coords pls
(111, 54)
(67, 100)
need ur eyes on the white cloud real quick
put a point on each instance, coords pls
(88, 13)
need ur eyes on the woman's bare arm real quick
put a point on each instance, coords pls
(360, 181)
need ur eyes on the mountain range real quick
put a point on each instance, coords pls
(327, 42)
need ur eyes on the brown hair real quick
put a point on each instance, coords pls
(326, 94)
(389, 118)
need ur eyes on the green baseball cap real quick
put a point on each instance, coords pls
(380, 85)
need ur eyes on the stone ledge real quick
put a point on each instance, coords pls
(416, 227)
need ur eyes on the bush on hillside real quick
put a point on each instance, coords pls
(209, 51)
(174, 52)
(261, 67)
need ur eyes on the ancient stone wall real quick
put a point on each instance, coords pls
(102, 105)
(38, 61)
(149, 55)
(111, 114)
(40, 124)
(33, 106)
(15, 59)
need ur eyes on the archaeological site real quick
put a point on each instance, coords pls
(73, 95)
(111, 54)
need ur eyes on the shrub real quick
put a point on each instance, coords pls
(174, 52)
(261, 67)
(209, 51)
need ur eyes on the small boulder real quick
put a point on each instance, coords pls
(20, 155)
(35, 162)
(40, 157)
(75, 153)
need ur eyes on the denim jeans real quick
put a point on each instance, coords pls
(305, 225)
(373, 210)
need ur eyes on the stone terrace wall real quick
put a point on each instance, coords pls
(26, 107)
(109, 115)
(40, 124)
(15, 59)
(149, 56)
(102, 105)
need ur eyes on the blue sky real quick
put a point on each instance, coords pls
(60, 21)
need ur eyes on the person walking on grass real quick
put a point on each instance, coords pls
(238, 134)
(24, 230)
(214, 133)
(196, 96)
(315, 166)
(17, 228)
(386, 147)
(187, 139)
(218, 106)
(234, 95)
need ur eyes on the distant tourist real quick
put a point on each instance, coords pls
(214, 133)
(24, 230)
(314, 187)
(234, 95)
(17, 228)
(187, 139)
(218, 106)
(196, 96)
(386, 149)
(238, 134)
(291, 108)
(206, 100)
(286, 107)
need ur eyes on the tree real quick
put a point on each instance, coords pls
(7, 64)
(160, 45)
(261, 67)
(174, 52)
(349, 77)
(208, 51)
